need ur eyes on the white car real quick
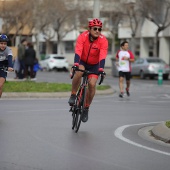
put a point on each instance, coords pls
(54, 62)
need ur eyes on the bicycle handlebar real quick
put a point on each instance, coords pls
(5, 69)
(87, 72)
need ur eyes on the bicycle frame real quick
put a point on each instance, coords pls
(78, 108)
(80, 103)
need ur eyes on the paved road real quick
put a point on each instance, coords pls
(35, 134)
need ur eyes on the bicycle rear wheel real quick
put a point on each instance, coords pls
(74, 110)
(81, 103)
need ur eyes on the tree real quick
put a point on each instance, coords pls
(112, 9)
(14, 21)
(132, 12)
(158, 12)
(57, 21)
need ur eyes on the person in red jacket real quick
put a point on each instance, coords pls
(90, 54)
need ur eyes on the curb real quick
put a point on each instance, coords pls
(161, 132)
(49, 95)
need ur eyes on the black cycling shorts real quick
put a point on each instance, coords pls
(3, 74)
(127, 75)
(92, 68)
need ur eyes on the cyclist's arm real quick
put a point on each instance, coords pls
(10, 61)
(103, 54)
(10, 65)
(78, 49)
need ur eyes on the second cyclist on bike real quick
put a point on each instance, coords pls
(5, 60)
(90, 54)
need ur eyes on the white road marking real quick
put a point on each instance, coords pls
(119, 131)
(167, 96)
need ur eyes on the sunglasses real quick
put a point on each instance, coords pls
(95, 29)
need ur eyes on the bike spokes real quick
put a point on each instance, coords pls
(78, 108)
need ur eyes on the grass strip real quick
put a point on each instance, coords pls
(31, 86)
(168, 124)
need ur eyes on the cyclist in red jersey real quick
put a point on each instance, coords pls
(90, 54)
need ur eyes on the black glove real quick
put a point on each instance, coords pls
(101, 72)
(76, 66)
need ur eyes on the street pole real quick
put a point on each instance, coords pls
(96, 9)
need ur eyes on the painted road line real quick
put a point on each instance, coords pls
(119, 134)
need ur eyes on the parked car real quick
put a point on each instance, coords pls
(54, 62)
(149, 67)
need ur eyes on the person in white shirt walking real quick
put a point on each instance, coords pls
(124, 57)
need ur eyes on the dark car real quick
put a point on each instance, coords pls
(149, 67)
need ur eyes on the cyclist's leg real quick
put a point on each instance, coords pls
(3, 76)
(77, 80)
(2, 81)
(75, 85)
(92, 80)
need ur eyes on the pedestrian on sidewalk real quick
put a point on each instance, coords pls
(16, 67)
(30, 57)
(21, 56)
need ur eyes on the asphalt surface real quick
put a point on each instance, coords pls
(35, 133)
(159, 132)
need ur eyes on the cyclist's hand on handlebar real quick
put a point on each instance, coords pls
(101, 72)
(76, 66)
(73, 69)
(10, 69)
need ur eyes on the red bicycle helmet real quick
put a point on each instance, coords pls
(95, 22)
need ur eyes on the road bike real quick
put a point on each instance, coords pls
(78, 108)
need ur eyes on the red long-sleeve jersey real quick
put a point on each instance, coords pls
(91, 52)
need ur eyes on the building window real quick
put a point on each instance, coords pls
(42, 47)
(54, 48)
(69, 46)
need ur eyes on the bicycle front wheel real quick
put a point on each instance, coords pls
(81, 104)
(74, 118)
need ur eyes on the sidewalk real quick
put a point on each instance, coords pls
(161, 132)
